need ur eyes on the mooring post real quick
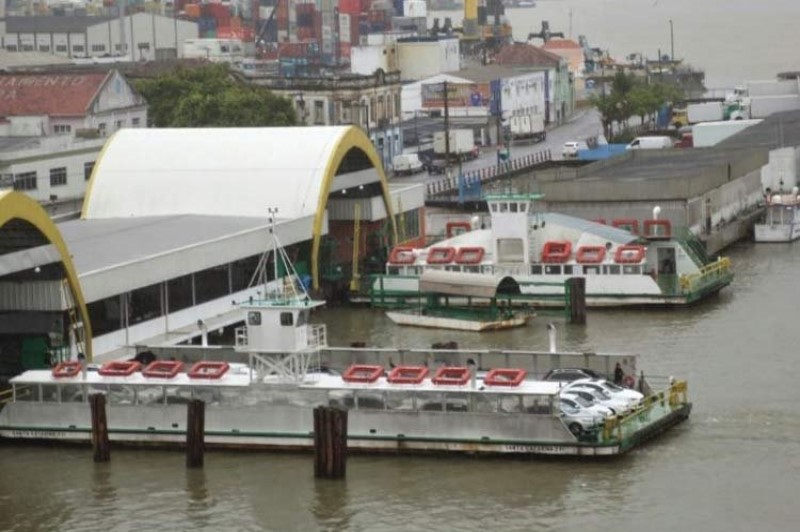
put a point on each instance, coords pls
(195, 433)
(100, 445)
(330, 442)
(577, 299)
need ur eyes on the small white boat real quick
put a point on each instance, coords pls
(468, 321)
(782, 219)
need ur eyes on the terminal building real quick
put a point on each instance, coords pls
(173, 226)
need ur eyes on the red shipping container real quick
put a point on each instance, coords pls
(355, 33)
(366, 5)
(350, 6)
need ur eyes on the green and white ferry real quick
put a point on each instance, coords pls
(625, 263)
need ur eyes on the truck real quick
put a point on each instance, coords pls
(462, 144)
(528, 127)
(763, 106)
(407, 164)
(711, 133)
(705, 112)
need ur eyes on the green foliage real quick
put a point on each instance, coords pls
(632, 96)
(210, 97)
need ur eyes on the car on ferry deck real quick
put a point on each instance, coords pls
(578, 420)
(617, 393)
(578, 399)
(569, 374)
(618, 404)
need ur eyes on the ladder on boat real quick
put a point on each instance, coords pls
(77, 332)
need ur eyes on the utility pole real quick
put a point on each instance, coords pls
(671, 41)
(446, 126)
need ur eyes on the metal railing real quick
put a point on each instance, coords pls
(708, 274)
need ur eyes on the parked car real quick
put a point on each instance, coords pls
(570, 149)
(436, 166)
(632, 396)
(617, 404)
(578, 420)
(570, 374)
(581, 399)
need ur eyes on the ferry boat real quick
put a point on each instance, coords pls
(624, 262)
(398, 400)
(782, 219)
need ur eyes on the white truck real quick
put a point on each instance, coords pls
(711, 133)
(763, 106)
(462, 144)
(705, 112)
(528, 127)
(407, 164)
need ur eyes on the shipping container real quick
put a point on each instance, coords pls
(350, 6)
(192, 10)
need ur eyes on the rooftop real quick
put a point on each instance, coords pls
(63, 94)
(52, 24)
(561, 44)
(526, 55)
(775, 131)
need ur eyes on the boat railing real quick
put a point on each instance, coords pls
(708, 274)
(653, 406)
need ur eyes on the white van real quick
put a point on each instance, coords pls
(407, 164)
(650, 143)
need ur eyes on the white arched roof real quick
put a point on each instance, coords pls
(230, 171)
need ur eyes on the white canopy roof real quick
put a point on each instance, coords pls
(215, 171)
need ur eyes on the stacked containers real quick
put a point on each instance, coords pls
(352, 7)
(282, 19)
(306, 28)
(192, 10)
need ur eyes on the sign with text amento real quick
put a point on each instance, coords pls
(458, 95)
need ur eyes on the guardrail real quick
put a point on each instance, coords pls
(709, 273)
(451, 184)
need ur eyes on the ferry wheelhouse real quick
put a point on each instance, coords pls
(782, 220)
(624, 263)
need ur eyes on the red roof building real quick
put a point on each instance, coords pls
(569, 50)
(49, 103)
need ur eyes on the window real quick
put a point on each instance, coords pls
(120, 124)
(319, 114)
(551, 269)
(242, 272)
(98, 47)
(102, 128)
(27, 47)
(105, 315)
(536, 269)
(211, 284)
(567, 269)
(591, 270)
(78, 48)
(144, 304)
(121, 47)
(286, 319)
(61, 48)
(179, 293)
(135, 121)
(11, 48)
(62, 128)
(254, 318)
(58, 176)
(87, 170)
(144, 46)
(631, 269)
(44, 48)
(25, 181)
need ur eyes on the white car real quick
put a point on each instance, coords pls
(617, 404)
(581, 399)
(579, 420)
(631, 397)
(570, 149)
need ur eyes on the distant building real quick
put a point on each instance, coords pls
(560, 89)
(53, 126)
(569, 50)
(422, 57)
(370, 101)
(142, 36)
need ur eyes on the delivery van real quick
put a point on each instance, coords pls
(650, 143)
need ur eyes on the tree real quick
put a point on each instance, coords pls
(210, 97)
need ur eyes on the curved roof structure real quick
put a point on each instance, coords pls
(467, 284)
(18, 213)
(225, 171)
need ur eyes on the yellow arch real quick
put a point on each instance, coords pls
(15, 205)
(352, 137)
(90, 184)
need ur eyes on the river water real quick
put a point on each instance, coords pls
(735, 466)
(733, 40)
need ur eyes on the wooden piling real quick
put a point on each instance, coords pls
(577, 299)
(330, 442)
(100, 445)
(195, 433)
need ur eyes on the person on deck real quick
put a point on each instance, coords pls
(619, 375)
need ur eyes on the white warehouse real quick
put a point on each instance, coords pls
(142, 36)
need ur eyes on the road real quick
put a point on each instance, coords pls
(582, 125)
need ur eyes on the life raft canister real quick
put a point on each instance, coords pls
(505, 377)
(363, 373)
(208, 369)
(163, 369)
(119, 368)
(67, 369)
(407, 375)
(451, 375)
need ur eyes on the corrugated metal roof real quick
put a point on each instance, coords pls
(606, 232)
(52, 24)
(776, 131)
(68, 94)
(467, 284)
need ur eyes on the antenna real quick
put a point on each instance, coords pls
(273, 211)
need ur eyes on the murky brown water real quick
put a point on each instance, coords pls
(734, 466)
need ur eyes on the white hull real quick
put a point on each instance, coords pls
(415, 319)
(777, 232)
